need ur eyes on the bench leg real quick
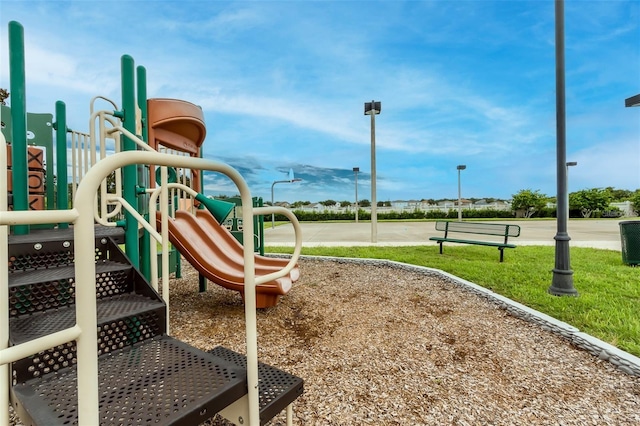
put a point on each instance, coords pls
(440, 247)
(501, 253)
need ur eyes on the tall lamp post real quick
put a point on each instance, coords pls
(460, 168)
(372, 108)
(355, 171)
(562, 281)
(273, 216)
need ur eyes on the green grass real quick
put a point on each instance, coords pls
(609, 291)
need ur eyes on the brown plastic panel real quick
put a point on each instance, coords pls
(179, 117)
(35, 157)
(36, 202)
(196, 245)
(225, 239)
(178, 125)
(35, 179)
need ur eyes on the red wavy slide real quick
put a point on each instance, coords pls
(217, 255)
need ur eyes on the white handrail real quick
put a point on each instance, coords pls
(82, 215)
(84, 236)
(4, 291)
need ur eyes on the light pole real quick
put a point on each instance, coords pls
(562, 281)
(273, 216)
(372, 108)
(460, 168)
(355, 171)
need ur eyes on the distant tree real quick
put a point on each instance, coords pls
(635, 201)
(345, 203)
(364, 203)
(328, 203)
(618, 194)
(528, 202)
(590, 200)
(298, 204)
(4, 94)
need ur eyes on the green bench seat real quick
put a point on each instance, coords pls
(477, 228)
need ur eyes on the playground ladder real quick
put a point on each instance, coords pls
(145, 376)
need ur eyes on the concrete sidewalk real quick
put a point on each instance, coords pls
(603, 234)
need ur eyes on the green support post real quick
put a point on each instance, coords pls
(143, 175)
(129, 172)
(18, 122)
(60, 126)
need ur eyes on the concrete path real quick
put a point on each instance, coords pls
(604, 234)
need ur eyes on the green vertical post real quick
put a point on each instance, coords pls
(18, 122)
(129, 172)
(143, 174)
(62, 201)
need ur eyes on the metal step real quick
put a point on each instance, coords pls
(123, 320)
(29, 327)
(60, 273)
(161, 381)
(277, 388)
(57, 234)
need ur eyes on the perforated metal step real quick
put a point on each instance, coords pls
(57, 234)
(123, 320)
(277, 388)
(160, 381)
(29, 327)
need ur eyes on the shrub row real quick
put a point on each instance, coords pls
(314, 216)
(307, 216)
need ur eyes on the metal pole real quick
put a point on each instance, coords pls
(459, 197)
(19, 165)
(356, 170)
(62, 201)
(460, 168)
(562, 281)
(129, 172)
(272, 202)
(569, 164)
(374, 204)
(273, 217)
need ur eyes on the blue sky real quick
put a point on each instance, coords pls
(283, 84)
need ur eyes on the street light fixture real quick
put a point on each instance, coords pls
(273, 216)
(460, 168)
(355, 171)
(372, 108)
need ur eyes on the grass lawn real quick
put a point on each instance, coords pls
(608, 306)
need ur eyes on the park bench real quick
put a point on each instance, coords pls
(477, 228)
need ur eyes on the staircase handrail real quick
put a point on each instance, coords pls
(82, 215)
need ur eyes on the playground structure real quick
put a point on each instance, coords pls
(67, 277)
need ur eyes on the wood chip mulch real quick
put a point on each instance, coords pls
(383, 346)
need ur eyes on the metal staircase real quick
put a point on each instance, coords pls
(144, 375)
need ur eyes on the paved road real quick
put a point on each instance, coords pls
(603, 234)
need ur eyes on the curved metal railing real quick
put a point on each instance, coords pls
(82, 216)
